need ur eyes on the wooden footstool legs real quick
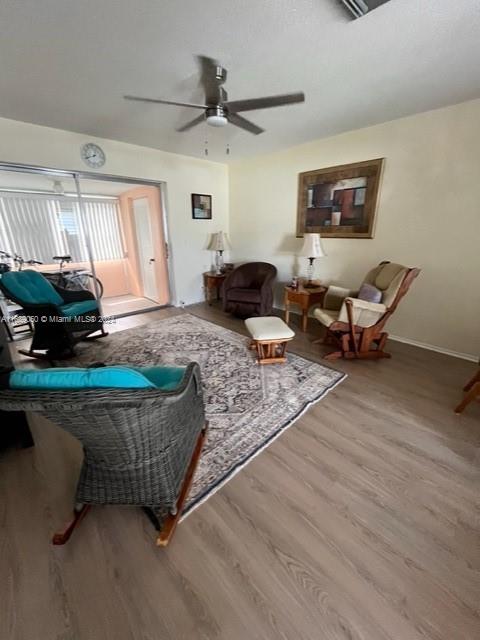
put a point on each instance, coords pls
(270, 351)
(269, 338)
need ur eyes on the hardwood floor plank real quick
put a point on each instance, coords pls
(361, 522)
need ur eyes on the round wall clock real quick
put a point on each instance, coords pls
(93, 155)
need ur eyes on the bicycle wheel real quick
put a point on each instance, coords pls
(85, 281)
(56, 278)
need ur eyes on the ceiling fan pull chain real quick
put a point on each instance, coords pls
(206, 147)
(227, 151)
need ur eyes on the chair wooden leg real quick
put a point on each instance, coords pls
(63, 536)
(171, 520)
(470, 383)
(353, 335)
(473, 392)
(340, 341)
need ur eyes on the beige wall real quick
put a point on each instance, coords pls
(428, 216)
(32, 144)
(114, 277)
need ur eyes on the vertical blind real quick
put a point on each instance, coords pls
(40, 227)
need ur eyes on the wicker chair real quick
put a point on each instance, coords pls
(141, 446)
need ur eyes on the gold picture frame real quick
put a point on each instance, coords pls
(340, 202)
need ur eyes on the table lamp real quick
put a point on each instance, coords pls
(219, 243)
(312, 248)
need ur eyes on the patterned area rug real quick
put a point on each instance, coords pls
(247, 405)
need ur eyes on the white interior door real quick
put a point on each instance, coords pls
(146, 253)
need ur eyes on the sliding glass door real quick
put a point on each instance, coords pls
(39, 224)
(103, 234)
(125, 226)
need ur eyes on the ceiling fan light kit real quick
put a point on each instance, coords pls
(216, 117)
(218, 111)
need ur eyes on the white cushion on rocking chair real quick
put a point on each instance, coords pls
(365, 314)
(326, 316)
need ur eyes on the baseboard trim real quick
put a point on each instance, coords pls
(431, 347)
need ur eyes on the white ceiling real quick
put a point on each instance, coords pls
(67, 63)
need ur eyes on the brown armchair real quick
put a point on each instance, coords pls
(355, 324)
(247, 290)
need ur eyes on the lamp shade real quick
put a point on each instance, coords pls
(219, 242)
(312, 246)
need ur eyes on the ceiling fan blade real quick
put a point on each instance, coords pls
(212, 76)
(243, 123)
(158, 101)
(265, 103)
(192, 123)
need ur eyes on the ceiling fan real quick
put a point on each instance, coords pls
(218, 110)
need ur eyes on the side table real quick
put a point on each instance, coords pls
(304, 298)
(212, 284)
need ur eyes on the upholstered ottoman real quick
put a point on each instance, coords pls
(269, 337)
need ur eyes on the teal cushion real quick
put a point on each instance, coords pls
(166, 378)
(30, 287)
(73, 378)
(79, 308)
(119, 377)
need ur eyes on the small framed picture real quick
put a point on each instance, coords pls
(201, 206)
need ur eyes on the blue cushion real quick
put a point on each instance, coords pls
(79, 308)
(118, 377)
(30, 287)
(167, 378)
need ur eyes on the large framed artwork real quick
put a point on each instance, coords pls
(339, 202)
(201, 206)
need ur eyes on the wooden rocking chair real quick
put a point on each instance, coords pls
(356, 326)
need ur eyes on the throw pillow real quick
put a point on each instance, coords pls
(369, 293)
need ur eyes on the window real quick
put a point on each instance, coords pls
(40, 227)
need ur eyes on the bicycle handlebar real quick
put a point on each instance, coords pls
(18, 259)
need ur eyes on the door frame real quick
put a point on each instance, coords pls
(107, 177)
(144, 233)
(160, 249)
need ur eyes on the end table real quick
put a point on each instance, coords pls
(212, 283)
(304, 298)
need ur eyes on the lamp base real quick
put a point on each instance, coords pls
(219, 264)
(310, 285)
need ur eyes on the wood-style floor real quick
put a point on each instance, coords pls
(361, 522)
(118, 305)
